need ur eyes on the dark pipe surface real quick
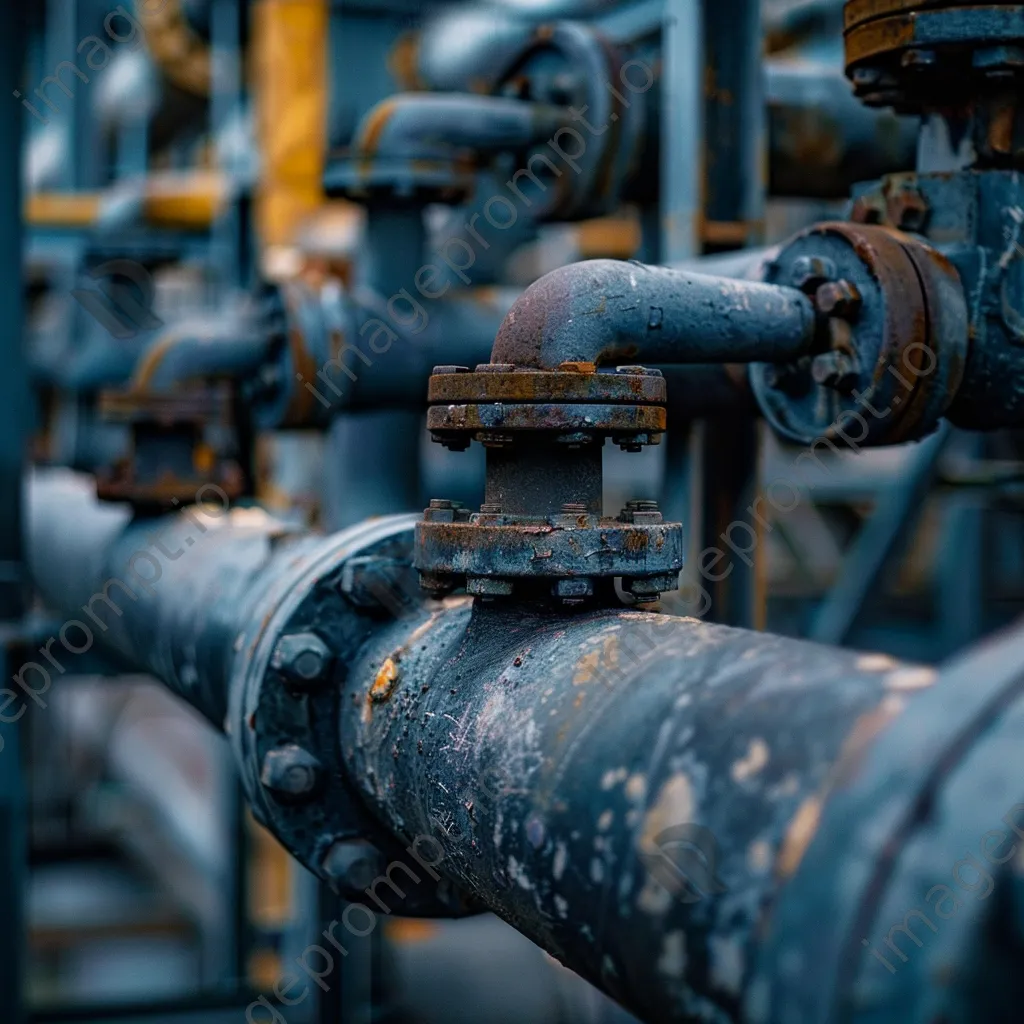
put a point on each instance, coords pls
(607, 311)
(703, 821)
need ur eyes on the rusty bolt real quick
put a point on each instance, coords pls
(649, 588)
(435, 584)
(440, 510)
(490, 508)
(489, 586)
(572, 591)
(836, 370)
(290, 773)
(351, 865)
(809, 272)
(438, 370)
(907, 208)
(919, 59)
(574, 508)
(577, 367)
(838, 298)
(453, 442)
(495, 367)
(303, 659)
(641, 513)
(639, 371)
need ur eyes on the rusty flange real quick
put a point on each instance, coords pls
(499, 404)
(493, 552)
(540, 529)
(894, 338)
(919, 54)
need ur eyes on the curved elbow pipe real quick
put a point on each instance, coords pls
(178, 355)
(607, 311)
(432, 125)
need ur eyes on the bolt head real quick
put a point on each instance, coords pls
(489, 586)
(639, 371)
(440, 370)
(436, 585)
(650, 587)
(351, 865)
(809, 272)
(838, 298)
(303, 659)
(495, 367)
(836, 370)
(573, 589)
(577, 367)
(440, 510)
(290, 773)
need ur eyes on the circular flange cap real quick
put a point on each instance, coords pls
(894, 328)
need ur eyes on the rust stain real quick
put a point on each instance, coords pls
(385, 682)
(801, 831)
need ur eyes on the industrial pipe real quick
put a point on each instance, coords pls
(606, 311)
(437, 125)
(707, 823)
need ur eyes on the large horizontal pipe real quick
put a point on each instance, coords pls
(604, 311)
(708, 823)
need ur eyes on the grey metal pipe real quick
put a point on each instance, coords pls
(604, 311)
(434, 125)
(707, 823)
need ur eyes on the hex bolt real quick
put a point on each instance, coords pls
(490, 508)
(838, 298)
(440, 510)
(489, 586)
(441, 370)
(290, 773)
(639, 371)
(495, 367)
(650, 588)
(351, 865)
(577, 367)
(436, 584)
(641, 512)
(919, 59)
(303, 659)
(574, 508)
(809, 272)
(573, 590)
(835, 370)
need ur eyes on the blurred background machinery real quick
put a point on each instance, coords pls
(273, 250)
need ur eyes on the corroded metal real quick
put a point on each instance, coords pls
(541, 525)
(707, 823)
(606, 312)
(895, 329)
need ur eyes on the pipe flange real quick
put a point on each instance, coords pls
(500, 405)
(494, 554)
(892, 339)
(283, 718)
(914, 55)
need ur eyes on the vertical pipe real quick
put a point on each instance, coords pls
(682, 117)
(13, 437)
(733, 218)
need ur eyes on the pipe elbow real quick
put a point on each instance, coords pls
(433, 125)
(609, 311)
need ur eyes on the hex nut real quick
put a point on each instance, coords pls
(838, 298)
(290, 773)
(439, 511)
(650, 587)
(351, 865)
(303, 659)
(809, 272)
(573, 588)
(489, 586)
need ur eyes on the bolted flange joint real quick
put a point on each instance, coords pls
(540, 531)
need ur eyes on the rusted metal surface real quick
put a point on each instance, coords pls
(540, 527)
(895, 330)
(704, 822)
(179, 442)
(916, 55)
(604, 311)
